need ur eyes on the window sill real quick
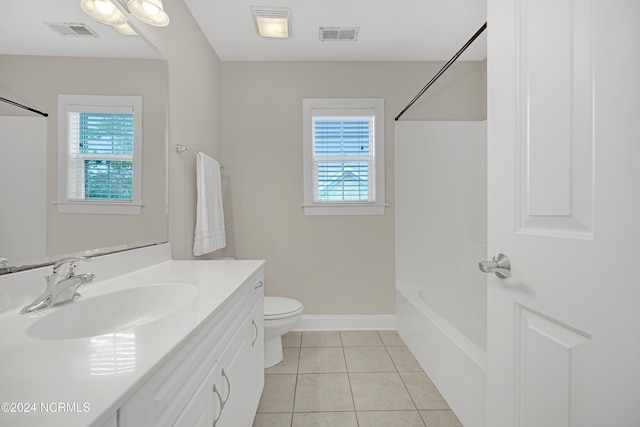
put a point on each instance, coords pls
(82, 207)
(344, 209)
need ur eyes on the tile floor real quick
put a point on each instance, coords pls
(350, 379)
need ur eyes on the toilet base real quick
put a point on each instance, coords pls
(272, 351)
(281, 315)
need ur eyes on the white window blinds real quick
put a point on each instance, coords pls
(100, 149)
(343, 158)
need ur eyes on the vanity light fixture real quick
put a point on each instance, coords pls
(103, 11)
(149, 11)
(272, 22)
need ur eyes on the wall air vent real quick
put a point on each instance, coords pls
(349, 34)
(71, 29)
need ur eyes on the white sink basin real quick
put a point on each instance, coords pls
(115, 311)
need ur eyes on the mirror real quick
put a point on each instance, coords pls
(37, 65)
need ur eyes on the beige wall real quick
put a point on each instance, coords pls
(194, 115)
(333, 264)
(37, 81)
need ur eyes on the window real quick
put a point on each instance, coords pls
(99, 154)
(343, 156)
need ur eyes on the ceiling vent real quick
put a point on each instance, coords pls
(68, 29)
(347, 34)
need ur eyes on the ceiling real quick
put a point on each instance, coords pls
(23, 32)
(390, 30)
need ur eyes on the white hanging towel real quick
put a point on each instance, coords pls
(209, 233)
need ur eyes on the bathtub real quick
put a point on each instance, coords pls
(453, 361)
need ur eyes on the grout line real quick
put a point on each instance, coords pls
(295, 388)
(353, 401)
(390, 357)
(410, 395)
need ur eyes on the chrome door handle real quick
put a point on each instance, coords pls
(500, 265)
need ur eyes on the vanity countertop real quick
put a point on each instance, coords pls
(82, 382)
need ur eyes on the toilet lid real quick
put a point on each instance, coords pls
(278, 307)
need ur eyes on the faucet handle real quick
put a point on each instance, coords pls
(66, 266)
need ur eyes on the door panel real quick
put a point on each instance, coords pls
(554, 121)
(550, 353)
(564, 205)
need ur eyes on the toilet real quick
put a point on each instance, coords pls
(280, 316)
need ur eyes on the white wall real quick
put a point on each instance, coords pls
(333, 264)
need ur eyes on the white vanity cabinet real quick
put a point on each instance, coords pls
(216, 377)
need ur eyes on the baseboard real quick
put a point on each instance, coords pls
(346, 322)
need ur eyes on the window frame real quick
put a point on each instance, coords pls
(342, 107)
(94, 103)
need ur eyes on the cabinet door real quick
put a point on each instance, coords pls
(220, 401)
(231, 384)
(255, 350)
(205, 405)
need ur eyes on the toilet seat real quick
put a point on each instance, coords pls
(279, 308)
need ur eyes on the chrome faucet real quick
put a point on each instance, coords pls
(61, 284)
(4, 265)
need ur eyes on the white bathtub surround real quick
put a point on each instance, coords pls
(440, 237)
(23, 227)
(94, 377)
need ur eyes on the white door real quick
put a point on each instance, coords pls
(564, 206)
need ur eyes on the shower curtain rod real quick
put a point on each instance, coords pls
(8, 101)
(442, 70)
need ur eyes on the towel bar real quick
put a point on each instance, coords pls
(181, 148)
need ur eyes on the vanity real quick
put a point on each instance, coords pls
(151, 342)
